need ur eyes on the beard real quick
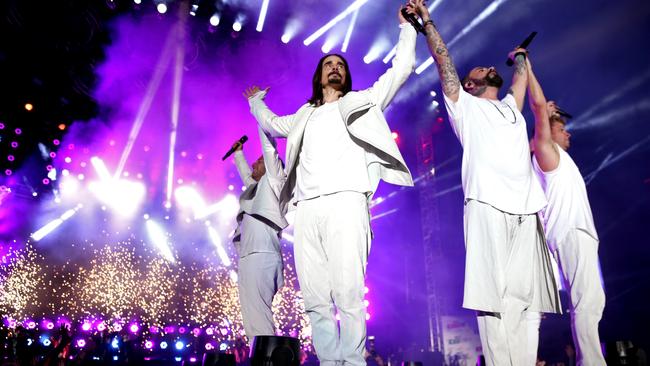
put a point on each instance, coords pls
(493, 80)
(334, 79)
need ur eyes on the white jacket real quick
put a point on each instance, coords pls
(260, 199)
(362, 112)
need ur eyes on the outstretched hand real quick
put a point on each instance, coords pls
(517, 50)
(419, 8)
(551, 107)
(252, 90)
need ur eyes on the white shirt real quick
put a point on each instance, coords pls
(568, 205)
(330, 161)
(496, 165)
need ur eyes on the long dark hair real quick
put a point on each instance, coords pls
(316, 86)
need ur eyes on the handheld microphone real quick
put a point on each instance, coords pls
(563, 113)
(413, 20)
(523, 45)
(232, 149)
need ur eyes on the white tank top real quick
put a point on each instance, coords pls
(568, 205)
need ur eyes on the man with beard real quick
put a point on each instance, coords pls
(257, 237)
(338, 148)
(569, 225)
(508, 270)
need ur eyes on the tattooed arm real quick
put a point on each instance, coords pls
(519, 77)
(446, 70)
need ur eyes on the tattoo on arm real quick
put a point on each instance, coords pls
(520, 65)
(446, 69)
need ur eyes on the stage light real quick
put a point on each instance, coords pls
(489, 10)
(81, 343)
(196, 332)
(162, 8)
(49, 227)
(46, 342)
(10, 158)
(390, 55)
(31, 324)
(188, 197)
(394, 135)
(233, 276)
(134, 328)
(86, 326)
(137, 1)
(285, 38)
(227, 207)
(14, 144)
(115, 343)
(209, 346)
(148, 344)
(328, 45)
(159, 239)
(366, 302)
(49, 325)
(435, 104)
(223, 347)
(117, 327)
(353, 7)
(433, 171)
(375, 51)
(115, 358)
(182, 330)
(215, 19)
(290, 30)
(262, 17)
(178, 359)
(29, 107)
(179, 345)
(221, 252)
(163, 345)
(367, 316)
(236, 26)
(8, 172)
(348, 34)
(193, 9)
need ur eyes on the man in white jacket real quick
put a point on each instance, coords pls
(569, 225)
(338, 148)
(257, 237)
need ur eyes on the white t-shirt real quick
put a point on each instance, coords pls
(568, 205)
(496, 156)
(329, 160)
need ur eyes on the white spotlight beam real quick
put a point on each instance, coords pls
(50, 226)
(154, 83)
(100, 168)
(260, 20)
(348, 34)
(478, 20)
(353, 7)
(176, 102)
(159, 239)
(221, 252)
(228, 203)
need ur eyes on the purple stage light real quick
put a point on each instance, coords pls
(52, 154)
(367, 316)
(170, 329)
(224, 331)
(18, 131)
(70, 146)
(153, 330)
(148, 344)
(81, 343)
(192, 359)
(134, 328)
(56, 142)
(31, 324)
(86, 326)
(46, 181)
(196, 331)
(209, 346)
(117, 327)
(179, 345)
(49, 167)
(14, 144)
(2, 126)
(67, 159)
(101, 327)
(10, 158)
(182, 330)
(49, 325)
(8, 172)
(209, 331)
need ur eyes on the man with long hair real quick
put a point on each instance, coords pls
(338, 148)
(569, 225)
(508, 271)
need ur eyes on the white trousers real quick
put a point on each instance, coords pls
(577, 256)
(332, 242)
(260, 276)
(505, 245)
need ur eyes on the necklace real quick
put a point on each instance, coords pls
(514, 116)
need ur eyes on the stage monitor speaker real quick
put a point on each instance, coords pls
(218, 359)
(275, 351)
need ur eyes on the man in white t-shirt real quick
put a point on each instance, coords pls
(569, 225)
(338, 148)
(508, 270)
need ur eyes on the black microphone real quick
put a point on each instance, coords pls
(232, 149)
(562, 113)
(523, 45)
(413, 20)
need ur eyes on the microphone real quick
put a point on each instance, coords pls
(523, 45)
(413, 20)
(232, 149)
(562, 112)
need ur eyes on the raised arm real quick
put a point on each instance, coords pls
(519, 76)
(243, 168)
(438, 48)
(385, 88)
(544, 149)
(270, 122)
(274, 167)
